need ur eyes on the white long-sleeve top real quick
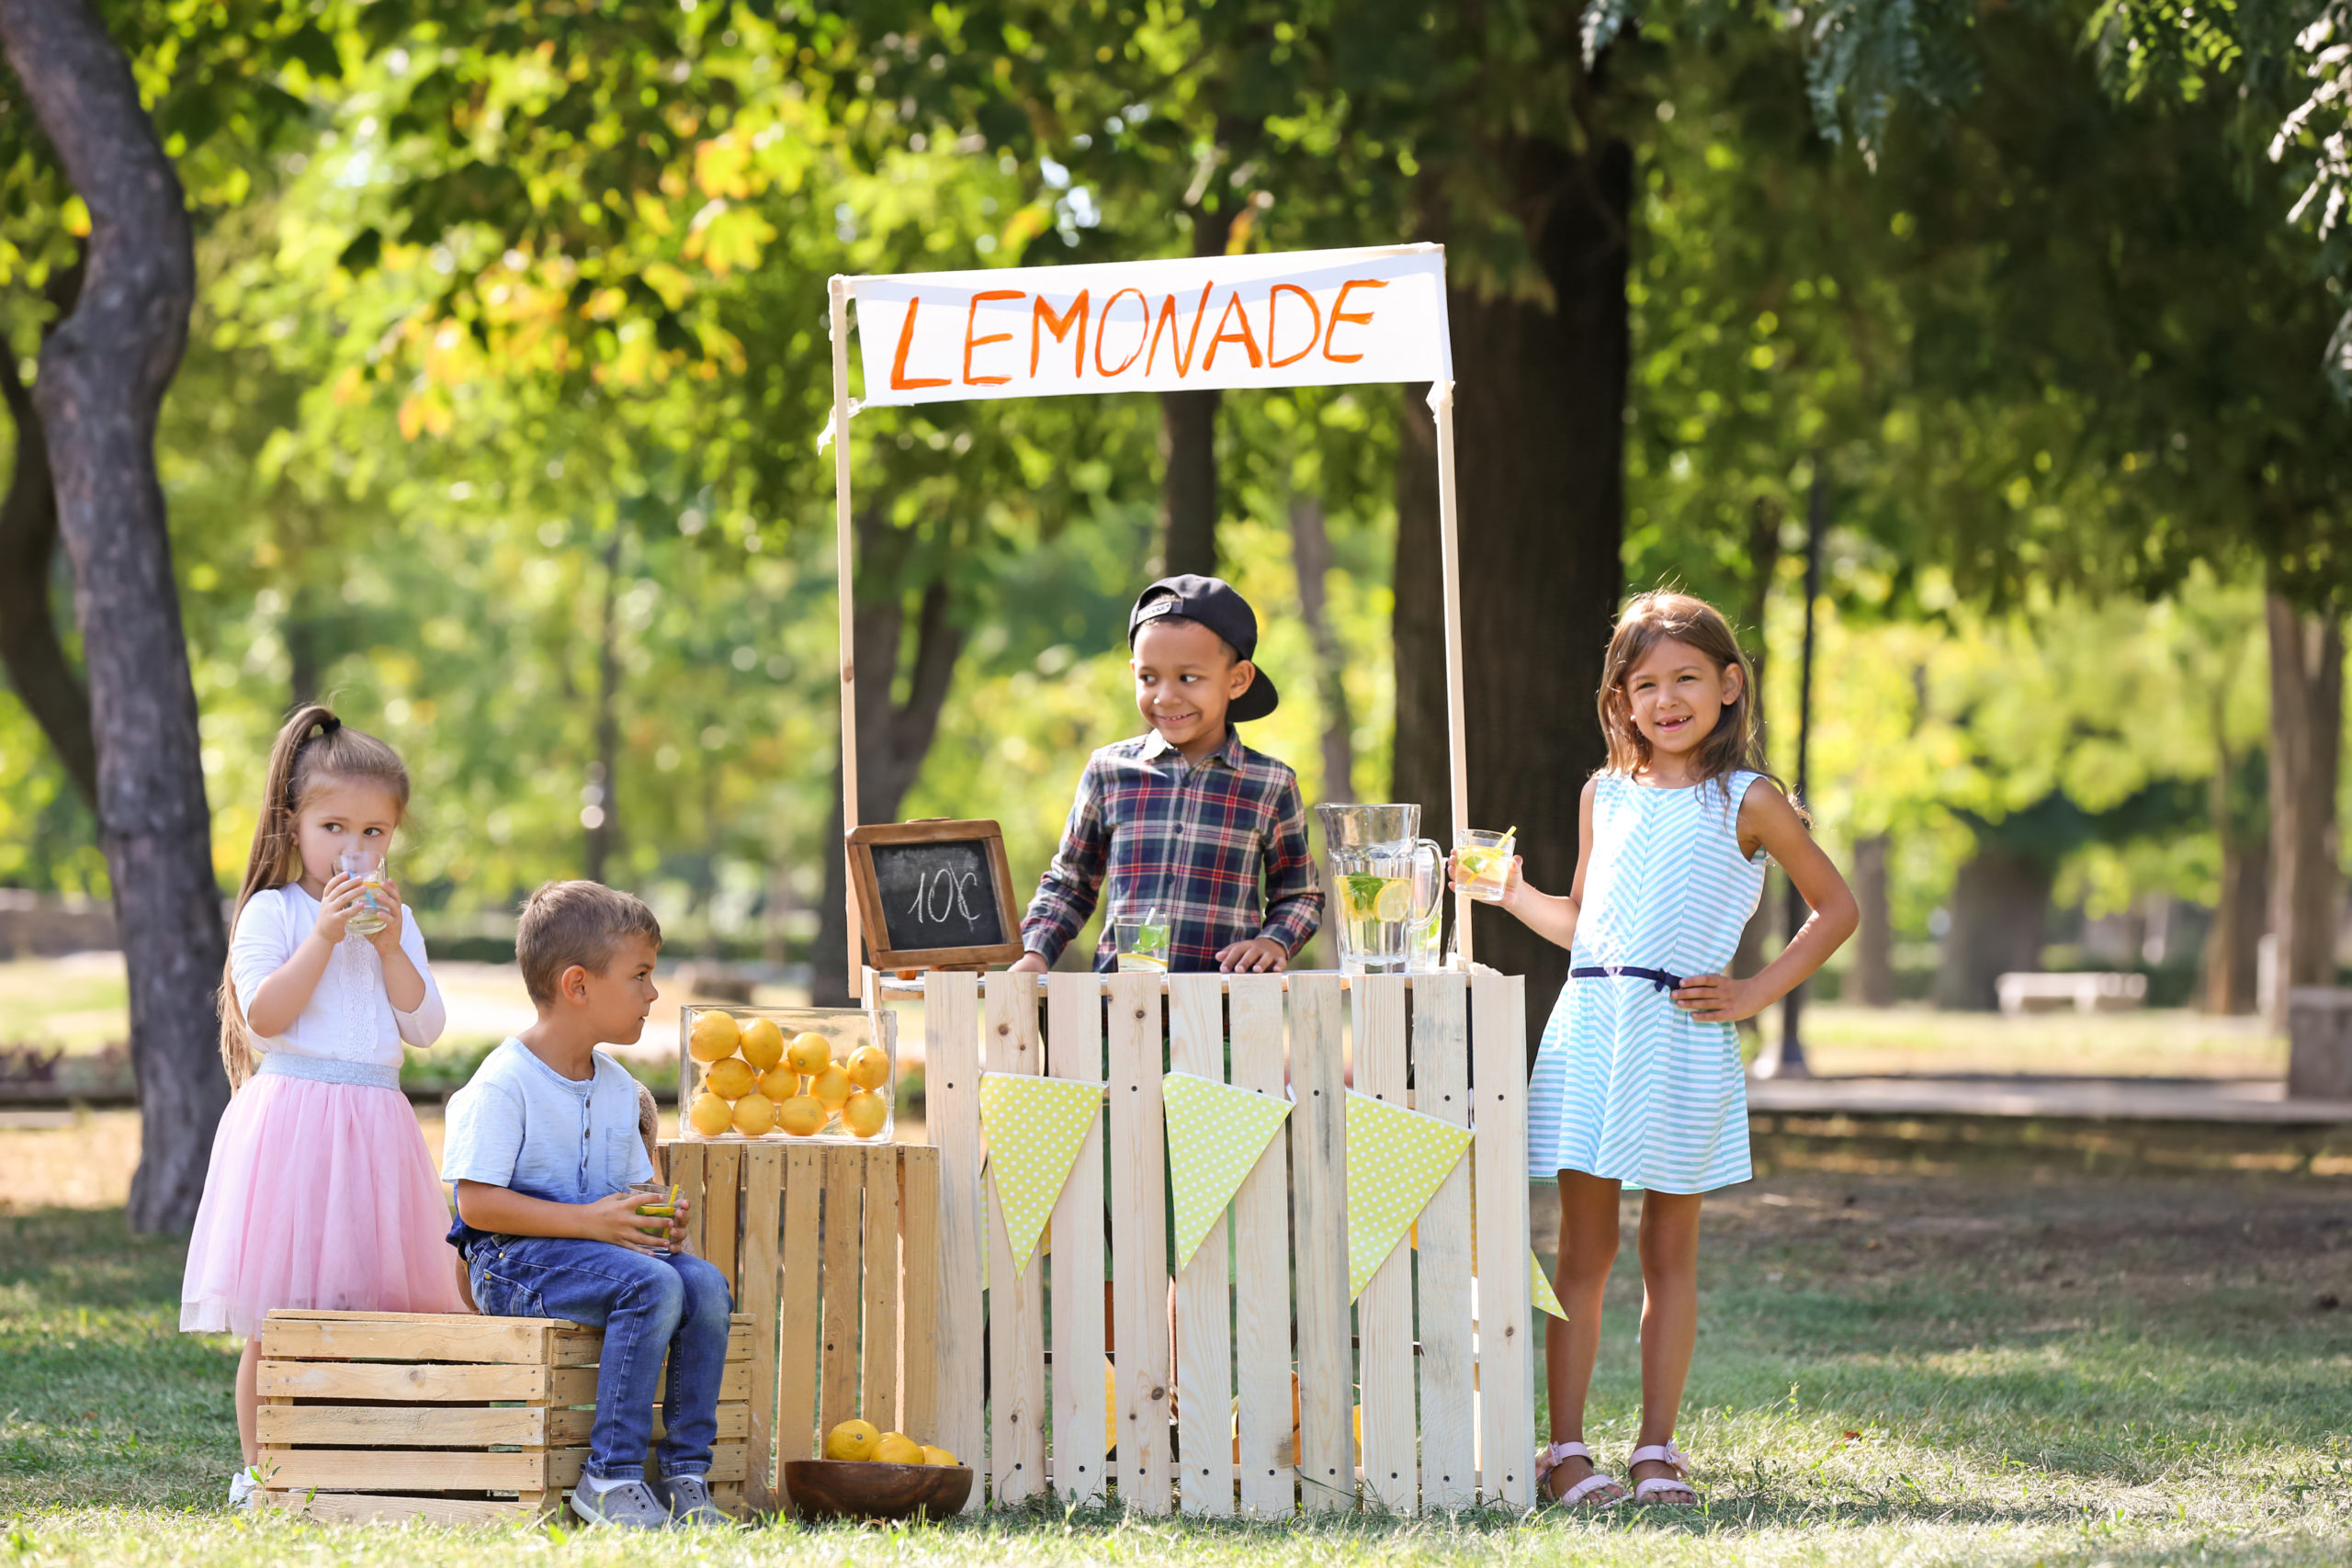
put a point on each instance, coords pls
(349, 1017)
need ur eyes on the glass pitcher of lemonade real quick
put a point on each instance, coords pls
(1386, 884)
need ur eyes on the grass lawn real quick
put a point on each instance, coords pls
(1985, 1368)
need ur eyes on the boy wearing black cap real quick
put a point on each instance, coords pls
(1186, 821)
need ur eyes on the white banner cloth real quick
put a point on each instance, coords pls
(1291, 318)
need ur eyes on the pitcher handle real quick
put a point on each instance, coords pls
(1438, 860)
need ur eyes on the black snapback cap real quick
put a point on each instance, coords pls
(1212, 602)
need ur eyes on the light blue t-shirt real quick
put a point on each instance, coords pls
(521, 1124)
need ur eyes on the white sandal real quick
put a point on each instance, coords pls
(1549, 1460)
(1673, 1458)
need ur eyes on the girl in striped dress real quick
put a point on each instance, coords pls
(1637, 1083)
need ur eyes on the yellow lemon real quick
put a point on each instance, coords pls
(1110, 1405)
(709, 1115)
(799, 1115)
(897, 1447)
(809, 1054)
(831, 1089)
(853, 1440)
(933, 1454)
(754, 1115)
(864, 1113)
(729, 1080)
(1394, 902)
(713, 1036)
(763, 1044)
(868, 1067)
(779, 1084)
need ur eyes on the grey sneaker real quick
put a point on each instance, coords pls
(690, 1503)
(627, 1504)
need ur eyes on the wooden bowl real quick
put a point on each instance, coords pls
(845, 1489)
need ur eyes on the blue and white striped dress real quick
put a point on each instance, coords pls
(1626, 1085)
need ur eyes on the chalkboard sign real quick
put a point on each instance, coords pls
(935, 895)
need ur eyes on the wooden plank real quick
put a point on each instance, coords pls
(461, 1319)
(1449, 1405)
(368, 1508)
(1016, 1300)
(1269, 1453)
(798, 1310)
(1385, 1310)
(722, 1183)
(404, 1470)
(1204, 1309)
(837, 1364)
(414, 1383)
(1506, 1337)
(952, 1118)
(484, 1339)
(1074, 1050)
(756, 1269)
(1318, 1177)
(1139, 1241)
(919, 1289)
(444, 1426)
(686, 1164)
(879, 1389)
(575, 1346)
(736, 1384)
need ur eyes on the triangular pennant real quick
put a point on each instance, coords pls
(1396, 1160)
(1545, 1297)
(1035, 1127)
(1216, 1132)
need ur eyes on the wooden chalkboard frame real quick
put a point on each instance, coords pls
(931, 830)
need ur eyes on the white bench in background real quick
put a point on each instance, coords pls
(2087, 991)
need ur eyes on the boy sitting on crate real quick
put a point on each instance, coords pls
(1186, 824)
(542, 1146)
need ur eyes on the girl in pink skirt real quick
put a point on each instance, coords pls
(320, 1192)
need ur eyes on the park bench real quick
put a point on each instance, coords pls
(2084, 991)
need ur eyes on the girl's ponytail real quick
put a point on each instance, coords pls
(313, 746)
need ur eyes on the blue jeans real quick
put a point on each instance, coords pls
(647, 1306)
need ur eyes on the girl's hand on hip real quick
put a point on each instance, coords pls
(388, 904)
(617, 1221)
(337, 902)
(1719, 998)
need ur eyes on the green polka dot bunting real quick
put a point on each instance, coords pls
(1035, 1127)
(1215, 1134)
(1396, 1160)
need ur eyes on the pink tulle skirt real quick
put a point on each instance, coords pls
(320, 1195)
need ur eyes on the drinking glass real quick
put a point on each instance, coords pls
(368, 866)
(1142, 944)
(1486, 861)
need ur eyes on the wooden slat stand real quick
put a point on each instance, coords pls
(448, 1418)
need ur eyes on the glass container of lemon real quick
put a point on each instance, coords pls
(790, 1074)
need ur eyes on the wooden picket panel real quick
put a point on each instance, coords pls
(1139, 1240)
(838, 1363)
(878, 1358)
(757, 1282)
(1204, 1328)
(1017, 1298)
(1505, 1305)
(1266, 1439)
(1074, 1051)
(722, 1184)
(1385, 1310)
(1319, 1196)
(952, 1117)
(918, 1284)
(797, 1309)
(1449, 1378)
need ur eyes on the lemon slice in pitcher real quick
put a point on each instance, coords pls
(1396, 900)
(1359, 891)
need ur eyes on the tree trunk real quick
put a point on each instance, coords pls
(2232, 948)
(1539, 433)
(1188, 496)
(103, 375)
(1873, 977)
(600, 802)
(893, 737)
(2000, 909)
(2306, 745)
(30, 647)
(1311, 553)
(1763, 561)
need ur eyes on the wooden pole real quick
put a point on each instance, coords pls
(1456, 726)
(846, 591)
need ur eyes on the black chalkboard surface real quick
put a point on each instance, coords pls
(935, 895)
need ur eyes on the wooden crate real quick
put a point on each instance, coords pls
(448, 1418)
(833, 1251)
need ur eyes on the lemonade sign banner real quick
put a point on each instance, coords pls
(1293, 319)
(1397, 1161)
(1035, 1127)
(1215, 1134)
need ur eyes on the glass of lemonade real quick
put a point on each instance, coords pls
(1484, 859)
(1142, 944)
(368, 866)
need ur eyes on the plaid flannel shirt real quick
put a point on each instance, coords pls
(1218, 847)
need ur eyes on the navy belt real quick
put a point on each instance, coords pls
(1659, 977)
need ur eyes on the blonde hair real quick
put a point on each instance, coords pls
(1735, 744)
(566, 923)
(313, 749)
